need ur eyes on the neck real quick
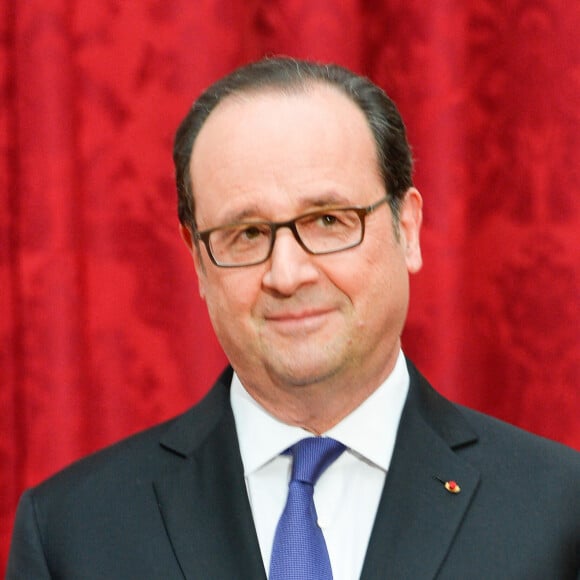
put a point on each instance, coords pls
(317, 406)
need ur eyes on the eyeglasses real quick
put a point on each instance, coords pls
(324, 231)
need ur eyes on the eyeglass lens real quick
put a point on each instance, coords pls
(319, 233)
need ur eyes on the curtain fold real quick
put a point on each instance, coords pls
(102, 331)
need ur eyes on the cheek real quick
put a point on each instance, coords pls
(230, 300)
(229, 293)
(381, 282)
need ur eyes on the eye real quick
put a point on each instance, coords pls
(239, 235)
(251, 233)
(322, 220)
(339, 218)
(328, 219)
(332, 220)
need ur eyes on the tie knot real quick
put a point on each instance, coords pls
(311, 456)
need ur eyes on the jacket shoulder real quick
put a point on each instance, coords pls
(141, 456)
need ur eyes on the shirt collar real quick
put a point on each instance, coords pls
(369, 431)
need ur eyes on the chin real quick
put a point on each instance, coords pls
(300, 372)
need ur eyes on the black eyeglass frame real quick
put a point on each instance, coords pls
(362, 213)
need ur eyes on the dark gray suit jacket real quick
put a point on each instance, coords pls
(171, 503)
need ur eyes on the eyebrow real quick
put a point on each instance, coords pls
(255, 212)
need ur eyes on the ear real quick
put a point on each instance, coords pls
(194, 250)
(410, 220)
(187, 237)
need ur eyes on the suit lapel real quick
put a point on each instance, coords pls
(203, 502)
(417, 517)
(205, 508)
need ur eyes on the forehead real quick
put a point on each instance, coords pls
(316, 97)
(282, 141)
(271, 112)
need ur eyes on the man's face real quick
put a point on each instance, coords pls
(298, 319)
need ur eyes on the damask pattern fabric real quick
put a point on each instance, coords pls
(102, 331)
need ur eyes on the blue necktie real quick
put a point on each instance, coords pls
(299, 551)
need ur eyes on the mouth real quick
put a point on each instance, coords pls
(298, 322)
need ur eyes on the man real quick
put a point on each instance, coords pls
(297, 204)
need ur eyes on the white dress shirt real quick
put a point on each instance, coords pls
(347, 494)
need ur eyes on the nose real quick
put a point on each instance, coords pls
(289, 266)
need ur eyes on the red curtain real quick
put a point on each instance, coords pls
(101, 329)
